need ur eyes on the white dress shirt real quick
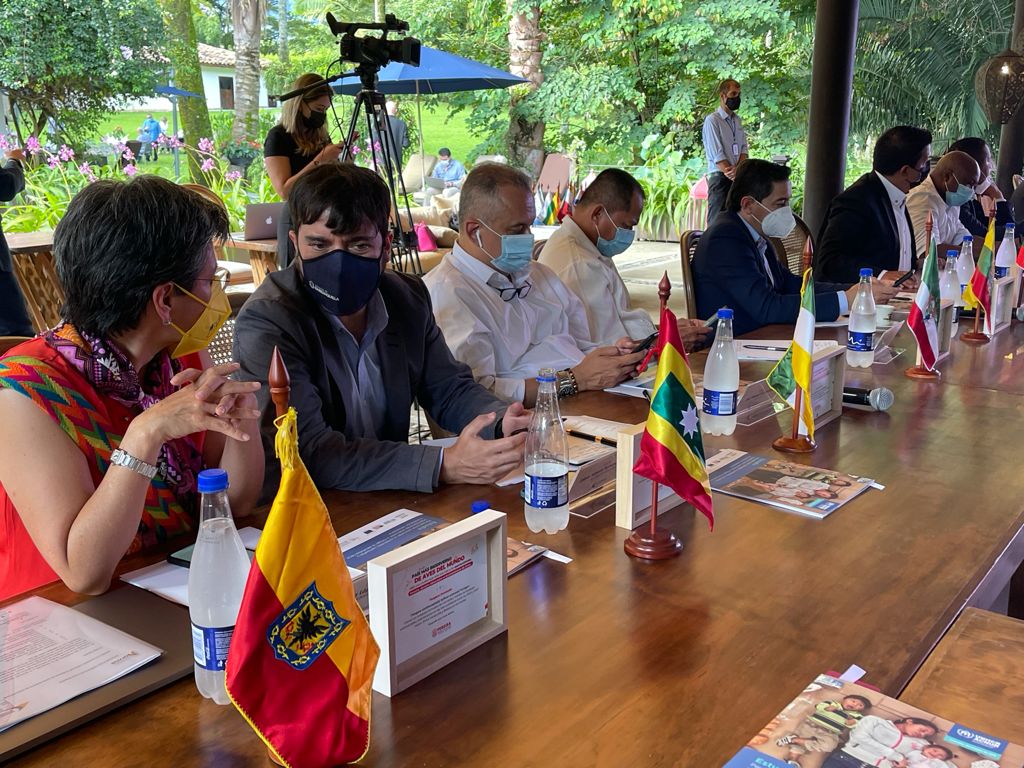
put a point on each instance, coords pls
(597, 283)
(946, 225)
(506, 342)
(898, 199)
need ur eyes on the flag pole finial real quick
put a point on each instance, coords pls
(280, 383)
(664, 290)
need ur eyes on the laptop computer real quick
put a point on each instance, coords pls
(261, 220)
(434, 183)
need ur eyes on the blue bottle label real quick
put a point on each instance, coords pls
(860, 341)
(1000, 272)
(719, 403)
(546, 492)
(210, 646)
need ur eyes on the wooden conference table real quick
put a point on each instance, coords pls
(610, 661)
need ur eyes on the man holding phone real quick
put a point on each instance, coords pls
(581, 252)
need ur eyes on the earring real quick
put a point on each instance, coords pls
(167, 321)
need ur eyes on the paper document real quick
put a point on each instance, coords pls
(50, 653)
(772, 349)
(840, 322)
(590, 425)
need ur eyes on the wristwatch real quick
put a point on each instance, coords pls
(125, 459)
(567, 386)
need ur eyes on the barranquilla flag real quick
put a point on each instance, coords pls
(793, 372)
(301, 663)
(977, 291)
(924, 312)
(672, 448)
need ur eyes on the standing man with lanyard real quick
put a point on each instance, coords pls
(725, 144)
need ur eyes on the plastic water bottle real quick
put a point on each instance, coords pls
(964, 269)
(216, 581)
(860, 338)
(949, 287)
(546, 489)
(1006, 254)
(721, 381)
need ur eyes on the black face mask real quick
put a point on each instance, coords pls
(314, 120)
(924, 174)
(733, 103)
(341, 282)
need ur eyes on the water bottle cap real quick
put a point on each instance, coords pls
(725, 314)
(546, 374)
(952, 253)
(865, 272)
(968, 238)
(480, 505)
(213, 480)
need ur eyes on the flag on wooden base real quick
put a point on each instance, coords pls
(300, 668)
(793, 371)
(977, 291)
(924, 313)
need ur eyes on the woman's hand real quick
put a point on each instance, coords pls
(208, 400)
(330, 153)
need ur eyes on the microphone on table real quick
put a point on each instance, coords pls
(880, 399)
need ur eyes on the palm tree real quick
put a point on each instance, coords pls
(916, 61)
(247, 21)
(525, 135)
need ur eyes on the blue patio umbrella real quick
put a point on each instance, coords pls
(438, 72)
(173, 93)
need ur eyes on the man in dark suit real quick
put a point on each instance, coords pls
(867, 225)
(735, 265)
(13, 315)
(360, 343)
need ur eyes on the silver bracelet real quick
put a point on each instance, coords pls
(124, 459)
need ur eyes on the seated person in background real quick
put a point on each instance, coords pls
(989, 202)
(120, 414)
(950, 184)
(867, 225)
(507, 316)
(448, 169)
(735, 265)
(360, 343)
(581, 256)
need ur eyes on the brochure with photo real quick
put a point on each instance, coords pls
(836, 724)
(809, 491)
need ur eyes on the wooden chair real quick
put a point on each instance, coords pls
(9, 342)
(262, 264)
(790, 249)
(37, 278)
(687, 247)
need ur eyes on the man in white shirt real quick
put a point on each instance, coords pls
(950, 185)
(505, 315)
(879, 743)
(580, 252)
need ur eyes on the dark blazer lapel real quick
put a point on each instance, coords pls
(394, 369)
(882, 199)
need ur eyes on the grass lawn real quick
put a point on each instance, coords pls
(439, 128)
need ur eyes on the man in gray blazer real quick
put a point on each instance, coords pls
(360, 343)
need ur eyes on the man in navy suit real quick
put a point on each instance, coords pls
(735, 265)
(867, 225)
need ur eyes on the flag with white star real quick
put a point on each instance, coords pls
(672, 449)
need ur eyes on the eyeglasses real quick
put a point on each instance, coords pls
(507, 294)
(220, 275)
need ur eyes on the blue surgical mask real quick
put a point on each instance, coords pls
(516, 251)
(622, 239)
(341, 282)
(963, 194)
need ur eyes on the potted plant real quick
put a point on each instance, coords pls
(241, 152)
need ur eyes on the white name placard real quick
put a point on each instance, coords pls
(437, 598)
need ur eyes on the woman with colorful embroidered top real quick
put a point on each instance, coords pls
(106, 420)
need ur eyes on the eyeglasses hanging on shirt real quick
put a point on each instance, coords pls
(512, 292)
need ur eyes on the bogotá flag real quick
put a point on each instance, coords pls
(301, 663)
(792, 373)
(672, 449)
(924, 313)
(977, 291)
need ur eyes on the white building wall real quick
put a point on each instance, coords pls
(211, 89)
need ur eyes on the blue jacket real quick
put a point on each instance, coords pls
(728, 271)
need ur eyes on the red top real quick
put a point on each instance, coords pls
(96, 424)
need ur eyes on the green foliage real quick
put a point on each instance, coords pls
(75, 61)
(667, 177)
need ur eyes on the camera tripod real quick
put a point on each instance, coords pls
(370, 103)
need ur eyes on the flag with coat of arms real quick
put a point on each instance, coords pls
(301, 662)
(924, 312)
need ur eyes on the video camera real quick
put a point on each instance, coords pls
(375, 52)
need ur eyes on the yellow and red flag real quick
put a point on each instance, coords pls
(300, 668)
(672, 447)
(977, 291)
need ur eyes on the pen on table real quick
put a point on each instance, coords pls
(769, 349)
(595, 438)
